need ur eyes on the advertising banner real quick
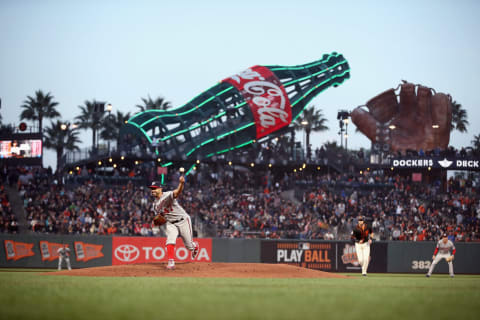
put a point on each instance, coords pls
(447, 163)
(266, 97)
(41, 251)
(331, 256)
(348, 262)
(132, 250)
(16, 250)
(85, 251)
(49, 250)
(312, 255)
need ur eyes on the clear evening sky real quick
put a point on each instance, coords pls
(121, 51)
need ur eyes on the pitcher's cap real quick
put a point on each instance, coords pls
(155, 185)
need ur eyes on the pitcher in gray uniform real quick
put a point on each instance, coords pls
(442, 251)
(64, 254)
(178, 221)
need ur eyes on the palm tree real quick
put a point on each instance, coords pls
(331, 146)
(112, 125)
(38, 108)
(60, 140)
(158, 104)
(5, 129)
(90, 118)
(459, 118)
(311, 120)
(476, 143)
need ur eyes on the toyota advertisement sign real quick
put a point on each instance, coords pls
(132, 250)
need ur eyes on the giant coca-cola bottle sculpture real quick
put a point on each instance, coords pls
(258, 102)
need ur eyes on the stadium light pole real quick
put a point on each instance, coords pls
(304, 123)
(109, 108)
(342, 116)
(345, 121)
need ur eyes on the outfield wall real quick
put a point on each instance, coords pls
(40, 251)
(32, 251)
(417, 256)
(236, 250)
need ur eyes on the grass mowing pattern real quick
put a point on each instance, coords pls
(28, 295)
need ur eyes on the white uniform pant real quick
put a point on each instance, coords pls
(182, 228)
(67, 260)
(437, 259)
(363, 255)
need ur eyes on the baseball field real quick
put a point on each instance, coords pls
(37, 294)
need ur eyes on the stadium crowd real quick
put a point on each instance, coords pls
(8, 220)
(240, 204)
(397, 208)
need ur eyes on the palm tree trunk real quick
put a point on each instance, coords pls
(94, 134)
(307, 147)
(292, 150)
(59, 158)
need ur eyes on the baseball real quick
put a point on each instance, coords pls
(182, 170)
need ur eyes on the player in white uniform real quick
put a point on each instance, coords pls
(64, 254)
(443, 249)
(178, 221)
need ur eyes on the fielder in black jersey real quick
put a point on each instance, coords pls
(362, 235)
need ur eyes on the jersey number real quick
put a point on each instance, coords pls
(167, 209)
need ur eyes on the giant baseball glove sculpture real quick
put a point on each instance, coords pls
(420, 120)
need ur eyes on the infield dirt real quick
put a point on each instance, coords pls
(201, 270)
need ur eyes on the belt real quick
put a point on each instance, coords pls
(176, 221)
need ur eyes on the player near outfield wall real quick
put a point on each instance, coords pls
(64, 255)
(442, 251)
(363, 236)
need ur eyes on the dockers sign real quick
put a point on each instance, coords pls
(447, 163)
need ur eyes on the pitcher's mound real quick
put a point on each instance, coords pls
(201, 270)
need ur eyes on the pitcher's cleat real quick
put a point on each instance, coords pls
(195, 251)
(171, 264)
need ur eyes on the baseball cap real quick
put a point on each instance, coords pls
(360, 218)
(444, 235)
(155, 185)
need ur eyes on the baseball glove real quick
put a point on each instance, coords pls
(449, 258)
(159, 220)
(419, 119)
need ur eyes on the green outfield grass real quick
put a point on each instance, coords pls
(28, 295)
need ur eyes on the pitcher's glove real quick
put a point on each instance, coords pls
(449, 258)
(419, 119)
(159, 220)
